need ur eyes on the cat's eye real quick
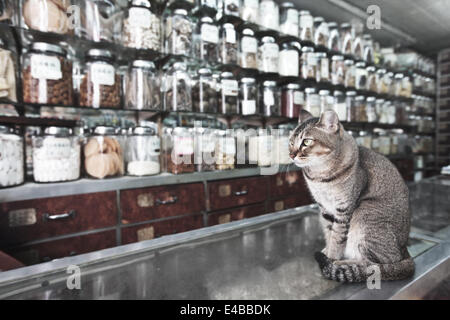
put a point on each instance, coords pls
(307, 142)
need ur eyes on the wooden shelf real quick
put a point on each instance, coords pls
(38, 122)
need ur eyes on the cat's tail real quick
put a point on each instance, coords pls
(359, 271)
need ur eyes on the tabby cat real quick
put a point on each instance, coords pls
(363, 200)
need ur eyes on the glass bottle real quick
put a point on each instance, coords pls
(228, 44)
(340, 105)
(289, 59)
(142, 152)
(351, 106)
(176, 88)
(292, 100)
(178, 33)
(334, 40)
(248, 49)
(248, 96)
(206, 39)
(270, 96)
(204, 95)
(306, 30)
(268, 55)
(321, 34)
(337, 70)
(179, 151)
(350, 74)
(40, 15)
(8, 69)
(309, 64)
(323, 68)
(347, 39)
(229, 90)
(312, 104)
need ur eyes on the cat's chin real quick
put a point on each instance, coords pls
(299, 164)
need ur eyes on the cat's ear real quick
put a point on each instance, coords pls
(329, 121)
(304, 115)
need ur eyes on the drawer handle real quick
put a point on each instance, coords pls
(70, 214)
(241, 193)
(167, 202)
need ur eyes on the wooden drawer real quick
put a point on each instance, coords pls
(25, 221)
(157, 229)
(8, 263)
(57, 249)
(237, 214)
(288, 183)
(289, 203)
(237, 192)
(141, 205)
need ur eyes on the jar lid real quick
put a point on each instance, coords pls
(228, 26)
(310, 90)
(180, 11)
(399, 76)
(204, 71)
(99, 53)
(248, 32)
(268, 39)
(338, 93)
(361, 98)
(141, 3)
(363, 133)
(332, 25)
(324, 92)
(349, 62)
(367, 36)
(337, 57)
(304, 13)
(227, 74)
(269, 83)
(371, 69)
(371, 99)
(346, 25)
(57, 131)
(6, 129)
(143, 64)
(351, 93)
(43, 46)
(144, 131)
(381, 71)
(287, 5)
(321, 54)
(103, 131)
(318, 20)
(206, 19)
(361, 64)
(248, 80)
(179, 65)
(307, 49)
(294, 86)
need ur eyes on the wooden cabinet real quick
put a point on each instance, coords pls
(141, 205)
(160, 228)
(237, 192)
(8, 263)
(237, 214)
(289, 202)
(288, 183)
(26, 221)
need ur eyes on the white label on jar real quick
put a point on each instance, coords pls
(288, 63)
(229, 87)
(210, 33)
(251, 3)
(102, 74)
(269, 99)
(299, 97)
(270, 51)
(248, 107)
(230, 146)
(268, 14)
(341, 110)
(140, 17)
(249, 45)
(57, 148)
(45, 67)
(183, 145)
(306, 22)
(325, 68)
(311, 59)
(230, 36)
(154, 146)
(208, 144)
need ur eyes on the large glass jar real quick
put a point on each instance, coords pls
(11, 158)
(204, 95)
(292, 100)
(142, 86)
(142, 152)
(372, 80)
(268, 55)
(100, 84)
(248, 96)
(306, 30)
(340, 105)
(176, 88)
(337, 70)
(371, 110)
(47, 75)
(289, 19)
(270, 96)
(229, 91)
(312, 104)
(206, 39)
(248, 49)
(280, 153)
(8, 70)
(323, 68)
(100, 20)
(228, 46)
(351, 106)
(249, 10)
(321, 34)
(347, 39)
(326, 100)
(56, 156)
(289, 61)
(361, 76)
(44, 15)
(204, 146)
(360, 108)
(178, 33)
(309, 64)
(142, 26)
(269, 15)
(225, 150)
(179, 151)
(334, 40)
(350, 74)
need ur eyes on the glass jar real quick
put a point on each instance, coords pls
(289, 61)
(178, 33)
(321, 33)
(394, 142)
(206, 39)
(56, 156)
(179, 151)
(204, 149)
(142, 26)
(347, 39)
(391, 112)
(326, 101)
(8, 65)
(100, 84)
(204, 95)
(360, 108)
(229, 91)
(230, 7)
(228, 46)
(312, 104)
(375, 142)
(361, 76)
(268, 55)
(249, 10)
(384, 142)
(270, 98)
(406, 87)
(11, 158)
(142, 152)
(334, 40)
(340, 105)
(292, 100)
(372, 81)
(289, 23)
(47, 75)
(371, 110)
(44, 15)
(225, 150)
(280, 154)
(358, 50)
(398, 78)
(337, 70)
(306, 30)
(352, 115)
(248, 49)
(6, 11)
(400, 112)
(248, 96)
(101, 20)
(309, 63)
(382, 86)
(176, 88)
(368, 49)
(260, 147)
(323, 68)
(269, 15)
(142, 86)
(350, 74)
(364, 139)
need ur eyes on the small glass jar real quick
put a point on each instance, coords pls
(334, 40)
(204, 95)
(382, 86)
(47, 75)
(372, 81)
(249, 10)
(268, 55)
(337, 70)
(56, 156)
(176, 88)
(292, 100)
(142, 152)
(368, 49)
(321, 33)
(204, 149)
(400, 112)
(206, 39)
(228, 46)
(178, 33)
(351, 106)
(384, 142)
(358, 49)
(326, 101)
(361, 76)
(347, 39)
(100, 84)
(248, 96)
(306, 27)
(350, 74)
(229, 7)
(12, 158)
(179, 151)
(375, 142)
(229, 91)
(364, 139)
(323, 68)
(42, 15)
(312, 102)
(371, 110)
(391, 111)
(142, 86)
(398, 78)
(360, 108)
(269, 15)
(289, 61)
(248, 49)
(406, 87)
(340, 105)
(280, 154)
(142, 26)
(8, 68)
(260, 147)
(309, 63)
(225, 150)
(289, 23)
(270, 96)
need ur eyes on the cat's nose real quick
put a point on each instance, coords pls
(293, 155)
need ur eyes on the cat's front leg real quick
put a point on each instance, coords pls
(337, 240)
